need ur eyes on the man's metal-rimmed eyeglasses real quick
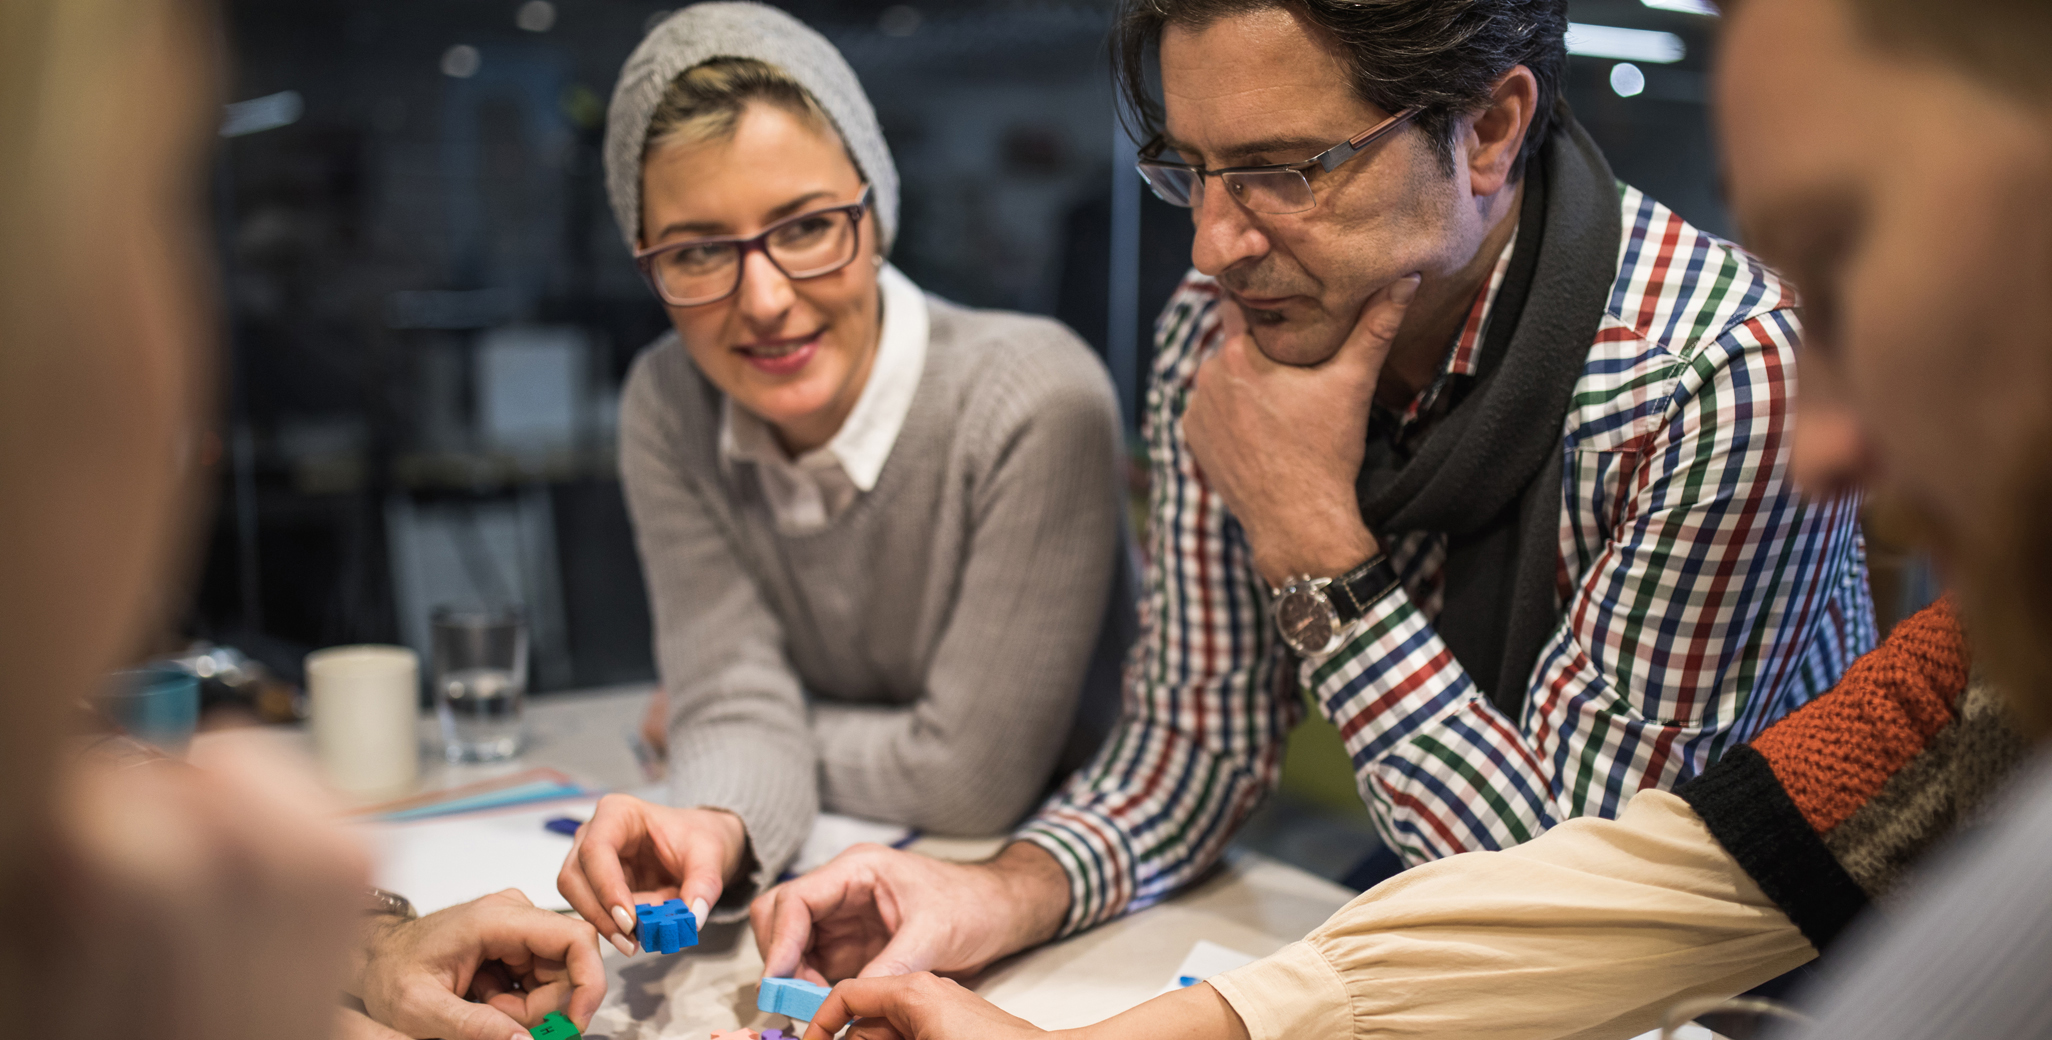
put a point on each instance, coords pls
(1280, 188)
(698, 271)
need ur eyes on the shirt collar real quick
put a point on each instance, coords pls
(863, 443)
(1467, 345)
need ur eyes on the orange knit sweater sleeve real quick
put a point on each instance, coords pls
(1834, 754)
(1830, 805)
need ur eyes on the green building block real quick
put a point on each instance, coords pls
(555, 1027)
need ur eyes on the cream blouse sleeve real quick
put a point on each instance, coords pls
(1591, 930)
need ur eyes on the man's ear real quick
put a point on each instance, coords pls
(1496, 135)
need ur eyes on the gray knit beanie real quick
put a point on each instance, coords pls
(702, 32)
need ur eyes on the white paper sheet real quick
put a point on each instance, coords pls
(1204, 960)
(447, 860)
(1687, 1031)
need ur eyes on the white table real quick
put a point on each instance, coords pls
(1253, 904)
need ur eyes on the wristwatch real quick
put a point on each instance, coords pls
(1312, 613)
(379, 903)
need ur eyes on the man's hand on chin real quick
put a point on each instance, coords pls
(1282, 444)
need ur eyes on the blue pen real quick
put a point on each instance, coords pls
(564, 825)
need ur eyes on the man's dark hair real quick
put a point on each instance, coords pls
(1438, 56)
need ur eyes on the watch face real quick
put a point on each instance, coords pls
(1306, 620)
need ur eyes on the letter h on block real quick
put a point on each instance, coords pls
(555, 1027)
(666, 927)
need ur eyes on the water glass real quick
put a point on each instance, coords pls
(480, 682)
(157, 705)
(1740, 1018)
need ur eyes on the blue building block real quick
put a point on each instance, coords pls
(666, 927)
(797, 999)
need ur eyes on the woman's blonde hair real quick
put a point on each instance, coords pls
(705, 102)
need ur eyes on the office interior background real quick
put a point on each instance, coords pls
(431, 311)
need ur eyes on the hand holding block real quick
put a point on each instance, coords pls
(555, 1027)
(665, 927)
(797, 999)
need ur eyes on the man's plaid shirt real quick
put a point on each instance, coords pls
(1702, 598)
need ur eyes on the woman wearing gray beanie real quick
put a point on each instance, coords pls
(880, 530)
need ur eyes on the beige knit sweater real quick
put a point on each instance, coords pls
(918, 661)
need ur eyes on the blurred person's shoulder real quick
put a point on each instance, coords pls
(665, 391)
(1005, 368)
(664, 364)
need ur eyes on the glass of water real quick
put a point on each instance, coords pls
(480, 681)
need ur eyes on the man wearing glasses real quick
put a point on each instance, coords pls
(1483, 450)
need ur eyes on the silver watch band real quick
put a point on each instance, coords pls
(378, 902)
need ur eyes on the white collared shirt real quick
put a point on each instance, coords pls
(807, 493)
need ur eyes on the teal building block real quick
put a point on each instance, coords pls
(665, 927)
(555, 1027)
(792, 997)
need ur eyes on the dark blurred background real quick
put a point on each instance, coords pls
(431, 309)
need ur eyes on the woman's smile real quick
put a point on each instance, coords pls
(781, 357)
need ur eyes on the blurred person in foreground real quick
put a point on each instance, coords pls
(1482, 449)
(1928, 271)
(162, 898)
(881, 530)
(1927, 377)
(142, 895)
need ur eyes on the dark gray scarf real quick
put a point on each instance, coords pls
(1488, 473)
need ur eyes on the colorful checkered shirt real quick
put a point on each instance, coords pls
(1701, 597)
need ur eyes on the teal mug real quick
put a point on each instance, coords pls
(158, 704)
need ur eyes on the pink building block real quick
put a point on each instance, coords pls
(738, 1034)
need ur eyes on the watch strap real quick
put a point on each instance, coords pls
(378, 902)
(1352, 593)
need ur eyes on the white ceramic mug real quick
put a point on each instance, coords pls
(365, 706)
